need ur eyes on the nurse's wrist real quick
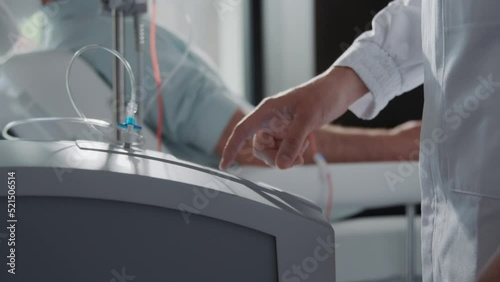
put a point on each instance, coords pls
(340, 87)
(346, 83)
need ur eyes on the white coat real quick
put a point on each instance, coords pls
(454, 46)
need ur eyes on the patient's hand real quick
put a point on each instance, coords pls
(406, 143)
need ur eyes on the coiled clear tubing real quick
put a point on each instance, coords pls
(93, 123)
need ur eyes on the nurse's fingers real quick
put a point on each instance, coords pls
(262, 140)
(269, 157)
(269, 154)
(264, 147)
(292, 145)
(243, 131)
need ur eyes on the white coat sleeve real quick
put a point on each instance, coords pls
(389, 58)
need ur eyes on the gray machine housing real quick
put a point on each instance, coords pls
(89, 211)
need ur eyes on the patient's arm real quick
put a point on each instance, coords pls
(340, 144)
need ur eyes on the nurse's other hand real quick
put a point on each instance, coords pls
(286, 120)
(404, 141)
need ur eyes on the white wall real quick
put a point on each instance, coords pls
(232, 44)
(289, 43)
(217, 27)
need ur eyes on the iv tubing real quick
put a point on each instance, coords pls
(10, 125)
(181, 62)
(157, 76)
(133, 99)
(320, 161)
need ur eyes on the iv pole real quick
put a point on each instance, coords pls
(118, 68)
(119, 9)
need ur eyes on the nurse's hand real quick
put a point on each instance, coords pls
(285, 121)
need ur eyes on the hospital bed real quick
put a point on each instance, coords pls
(372, 249)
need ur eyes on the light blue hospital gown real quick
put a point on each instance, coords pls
(197, 104)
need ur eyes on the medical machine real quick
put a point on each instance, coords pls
(89, 211)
